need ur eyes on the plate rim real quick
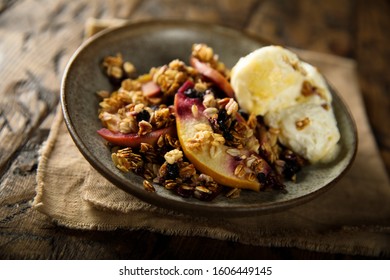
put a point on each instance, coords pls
(184, 206)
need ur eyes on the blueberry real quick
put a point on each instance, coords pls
(172, 171)
(262, 178)
(193, 93)
(143, 116)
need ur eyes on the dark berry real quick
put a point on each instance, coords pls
(223, 119)
(222, 116)
(262, 178)
(271, 181)
(193, 93)
(275, 183)
(290, 169)
(172, 171)
(143, 116)
(292, 164)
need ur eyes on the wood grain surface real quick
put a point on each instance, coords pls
(38, 37)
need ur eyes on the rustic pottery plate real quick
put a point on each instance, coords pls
(151, 44)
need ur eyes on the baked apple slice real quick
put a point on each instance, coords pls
(133, 139)
(207, 151)
(213, 75)
(151, 89)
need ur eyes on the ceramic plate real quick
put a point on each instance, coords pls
(151, 44)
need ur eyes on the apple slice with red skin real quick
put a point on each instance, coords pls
(151, 89)
(212, 75)
(186, 85)
(221, 166)
(133, 139)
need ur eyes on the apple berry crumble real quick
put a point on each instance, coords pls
(182, 127)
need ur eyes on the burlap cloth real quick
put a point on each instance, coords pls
(351, 218)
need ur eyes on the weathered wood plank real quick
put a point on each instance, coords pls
(314, 25)
(35, 48)
(38, 48)
(226, 12)
(373, 55)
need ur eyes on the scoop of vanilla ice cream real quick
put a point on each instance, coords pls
(265, 80)
(271, 78)
(292, 96)
(308, 129)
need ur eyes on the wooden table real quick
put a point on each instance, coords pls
(37, 39)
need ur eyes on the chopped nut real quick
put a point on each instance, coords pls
(173, 156)
(301, 124)
(309, 89)
(294, 63)
(325, 106)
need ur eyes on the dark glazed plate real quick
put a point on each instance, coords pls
(151, 44)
